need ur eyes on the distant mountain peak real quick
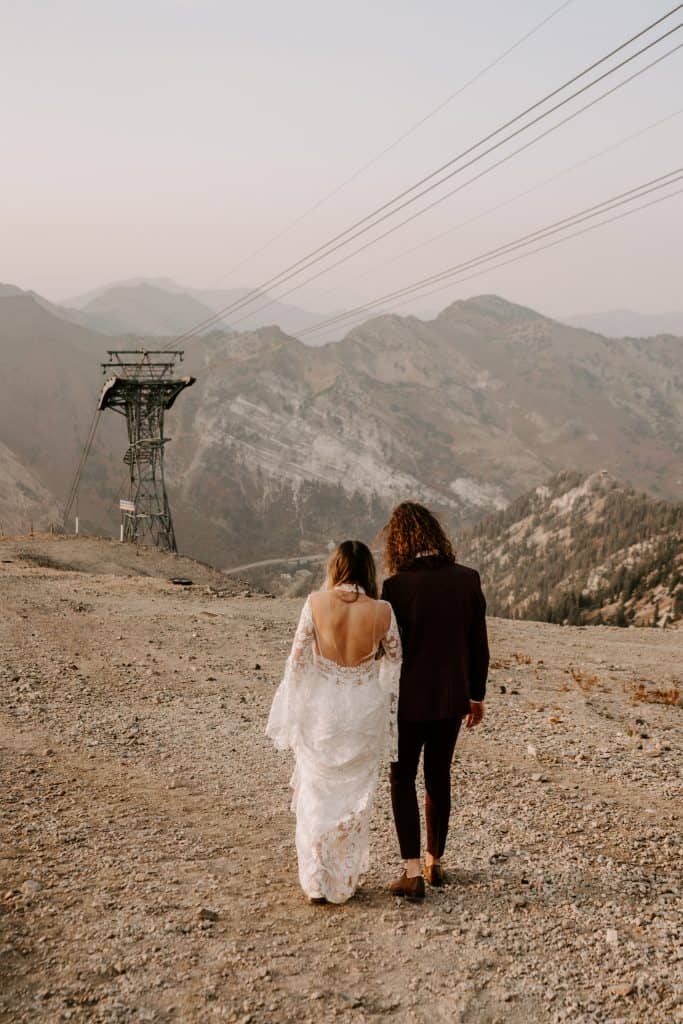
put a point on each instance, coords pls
(494, 306)
(162, 307)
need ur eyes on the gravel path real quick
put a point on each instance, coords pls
(147, 870)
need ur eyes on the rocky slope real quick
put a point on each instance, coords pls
(292, 447)
(582, 549)
(24, 503)
(147, 867)
(280, 448)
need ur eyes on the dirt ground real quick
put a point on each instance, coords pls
(147, 869)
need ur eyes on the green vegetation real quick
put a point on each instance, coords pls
(582, 550)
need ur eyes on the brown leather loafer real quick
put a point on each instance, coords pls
(410, 888)
(434, 875)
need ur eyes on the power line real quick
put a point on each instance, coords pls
(542, 248)
(525, 192)
(397, 141)
(73, 492)
(474, 160)
(539, 184)
(459, 188)
(624, 197)
(326, 249)
(631, 195)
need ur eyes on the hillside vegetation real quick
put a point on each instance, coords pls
(582, 550)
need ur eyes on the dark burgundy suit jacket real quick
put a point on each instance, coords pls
(441, 614)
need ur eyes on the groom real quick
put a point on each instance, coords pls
(440, 610)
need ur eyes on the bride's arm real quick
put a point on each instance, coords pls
(282, 721)
(389, 678)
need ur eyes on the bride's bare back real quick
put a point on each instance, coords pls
(348, 625)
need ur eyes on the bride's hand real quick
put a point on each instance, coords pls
(476, 713)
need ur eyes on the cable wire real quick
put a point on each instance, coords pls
(520, 195)
(401, 138)
(73, 492)
(586, 214)
(458, 188)
(533, 252)
(613, 202)
(540, 184)
(326, 249)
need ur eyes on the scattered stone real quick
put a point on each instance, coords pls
(207, 915)
(353, 1001)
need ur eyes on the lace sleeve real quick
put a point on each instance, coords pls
(389, 678)
(283, 719)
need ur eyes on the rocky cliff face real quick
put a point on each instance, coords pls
(286, 448)
(582, 549)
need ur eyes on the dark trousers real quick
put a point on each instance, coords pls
(438, 739)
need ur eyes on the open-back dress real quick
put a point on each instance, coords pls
(339, 719)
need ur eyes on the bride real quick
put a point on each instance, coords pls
(336, 709)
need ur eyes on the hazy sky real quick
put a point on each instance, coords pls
(168, 138)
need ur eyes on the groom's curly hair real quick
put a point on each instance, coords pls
(413, 530)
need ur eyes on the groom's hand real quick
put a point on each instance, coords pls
(476, 713)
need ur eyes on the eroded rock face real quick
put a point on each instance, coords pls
(463, 412)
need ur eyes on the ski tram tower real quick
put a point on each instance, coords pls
(141, 386)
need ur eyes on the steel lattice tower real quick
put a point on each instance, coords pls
(142, 388)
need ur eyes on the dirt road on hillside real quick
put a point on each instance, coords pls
(147, 869)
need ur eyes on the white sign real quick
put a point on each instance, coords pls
(127, 506)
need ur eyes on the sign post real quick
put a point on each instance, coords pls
(127, 508)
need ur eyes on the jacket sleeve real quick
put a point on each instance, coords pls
(389, 679)
(478, 645)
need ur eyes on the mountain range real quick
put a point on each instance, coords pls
(281, 448)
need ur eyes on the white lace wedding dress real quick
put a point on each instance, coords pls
(339, 720)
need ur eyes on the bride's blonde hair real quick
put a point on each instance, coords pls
(353, 563)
